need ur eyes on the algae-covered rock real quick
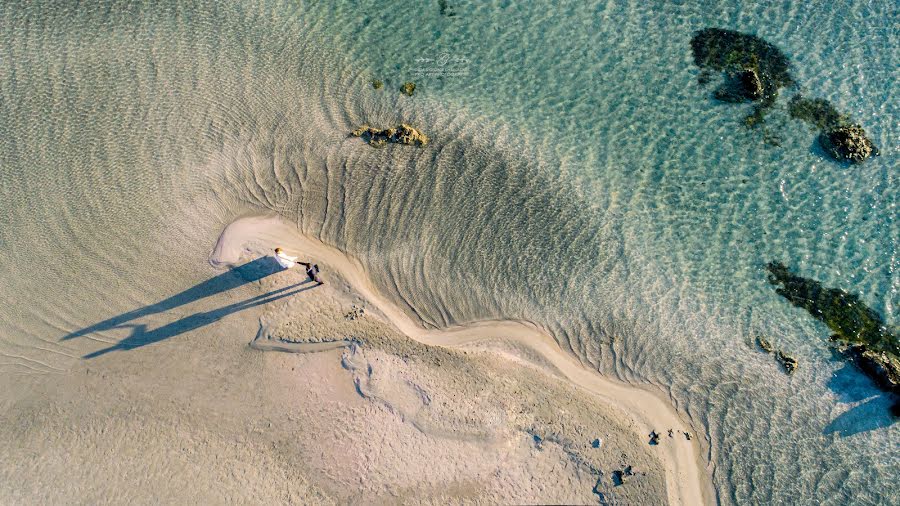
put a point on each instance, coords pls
(860, 334)
(818, 112)
(402, 134)
(740, 86)
(847, 143)
(838, 136)
(377, 84)
(408, 88)
(755, 69)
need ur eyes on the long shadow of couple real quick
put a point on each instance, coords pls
(241, 275)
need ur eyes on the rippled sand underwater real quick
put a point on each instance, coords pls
(577, 177)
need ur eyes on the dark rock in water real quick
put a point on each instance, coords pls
(848, 143)
(788, 362)
(408, 89)
(402, 134)
(740, 86)
(756, 68)
(764, 344)
(377, 84)
(445, 9)
(860, 334)
(838, 136)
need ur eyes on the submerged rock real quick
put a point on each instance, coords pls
(860, 334)
(740, 86)
(408, 88)
(402, 134)
(755, 69)
(818, 112)
(377, 84)
(848, 143)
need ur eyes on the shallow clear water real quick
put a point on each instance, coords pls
(578, 177)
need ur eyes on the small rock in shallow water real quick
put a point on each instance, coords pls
(848, 143)
(764, 344)
(408, 89)
(401, 134)
(788, 362)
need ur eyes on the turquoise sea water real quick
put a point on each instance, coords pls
(578, 177)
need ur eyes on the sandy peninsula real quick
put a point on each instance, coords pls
(497, 377)
(281, 392)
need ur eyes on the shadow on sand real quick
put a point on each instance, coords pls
(140, 336)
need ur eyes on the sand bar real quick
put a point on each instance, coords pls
(687, 479)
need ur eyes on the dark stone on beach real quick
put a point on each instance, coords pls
(408, 88)
(618, 478)
(654, 438)
(860, 334)
(401, 134)
(687, 435)
(596, 443)
(847, 143)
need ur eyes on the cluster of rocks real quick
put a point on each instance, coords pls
(654, 436)
(355, 313)
(401, 134)
(860, 335)
(788, 362)
(754, 71)
(754, 68)
(408, 88)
